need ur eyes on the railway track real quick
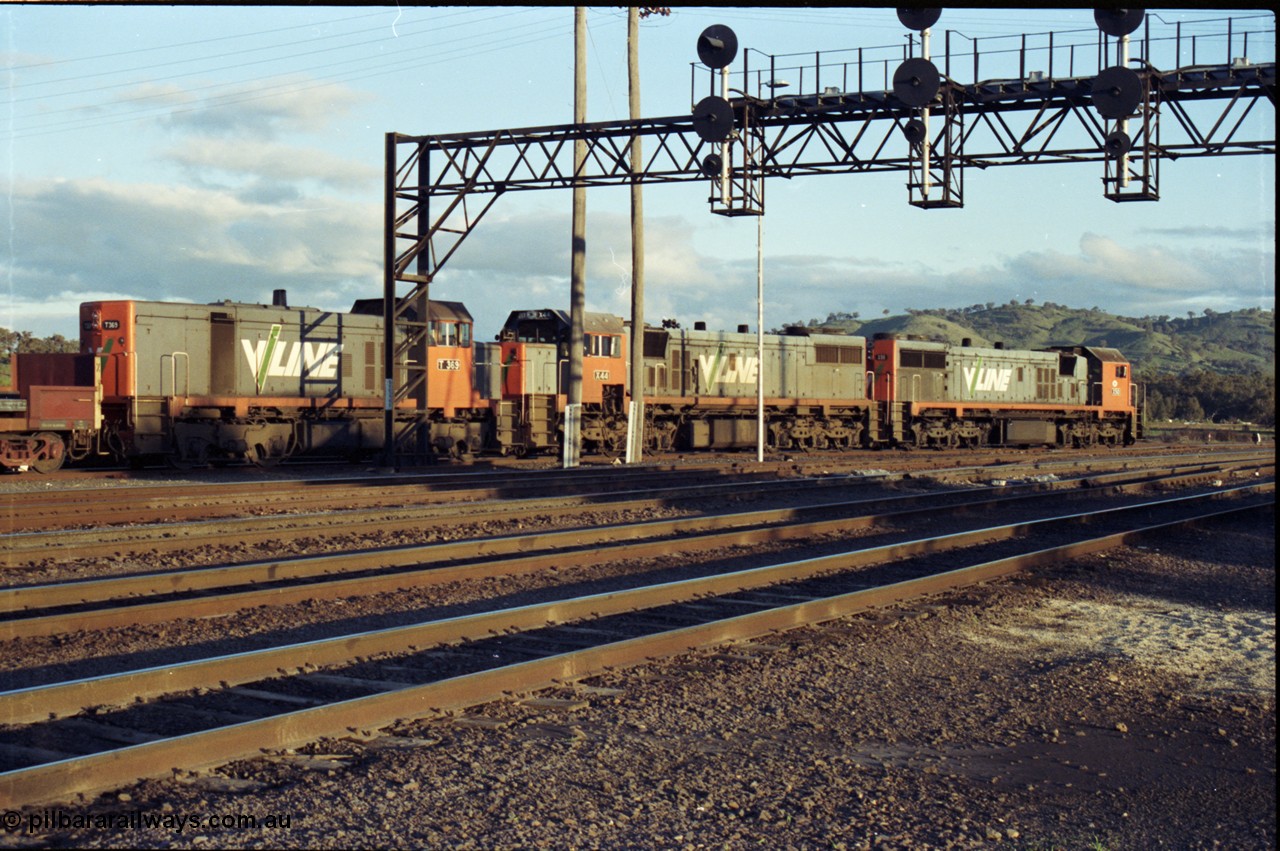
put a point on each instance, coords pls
(46, 510)
(152, 504)
(66, 607)
(23, 548)
(147, 723)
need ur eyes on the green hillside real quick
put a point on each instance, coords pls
(1238, 342)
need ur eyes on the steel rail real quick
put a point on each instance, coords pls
(30, 545)
(35, 703)
(21, 548)
(209, 492)
(273, 487)
(540, 550)
(128, 507)
(105, 770)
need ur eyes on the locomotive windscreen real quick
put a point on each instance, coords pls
(537, 330)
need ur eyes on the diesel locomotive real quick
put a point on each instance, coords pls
(194, 384)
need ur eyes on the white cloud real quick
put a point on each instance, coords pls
(269, 161)
(172, 242)
(266, 109)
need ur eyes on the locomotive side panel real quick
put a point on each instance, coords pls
(289, 353)
(721, 365)
(836, 367)
(1005, 376)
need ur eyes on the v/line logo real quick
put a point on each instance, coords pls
(987, 378)
(273, 358)
(717, 370)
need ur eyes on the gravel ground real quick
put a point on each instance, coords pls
(1126, 700)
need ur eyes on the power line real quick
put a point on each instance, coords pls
(189, 60)
(203, 41)
(285, 88)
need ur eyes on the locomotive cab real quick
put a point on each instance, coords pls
(534, 357)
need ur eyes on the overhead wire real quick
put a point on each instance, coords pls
(174, 45)
(189, 60)
(237, 94)
(551, 30)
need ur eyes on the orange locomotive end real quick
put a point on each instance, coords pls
(452, 359)
(535, 356)
(107, 329)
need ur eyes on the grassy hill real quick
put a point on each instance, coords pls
(1238, 342)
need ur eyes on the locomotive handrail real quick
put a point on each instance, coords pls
(560, 373)
(173, 373)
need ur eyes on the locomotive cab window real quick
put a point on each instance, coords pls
(450, 334)
(602, 345)
(1122, 371)
(537, 331)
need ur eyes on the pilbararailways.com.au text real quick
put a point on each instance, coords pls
(53, 819)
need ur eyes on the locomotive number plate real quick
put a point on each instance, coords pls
(449, 364)
(601, 375)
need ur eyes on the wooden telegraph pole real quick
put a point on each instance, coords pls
(578, 261)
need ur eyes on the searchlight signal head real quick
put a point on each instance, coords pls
(919, 19)
(717, 46)
(1117, 91)
(1118, 22)
(713, 119)
(916, 82)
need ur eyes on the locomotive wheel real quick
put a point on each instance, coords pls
(265, 456)
(50, 453)
(611, 444)
(196, 455)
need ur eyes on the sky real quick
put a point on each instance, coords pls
(207, 153)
